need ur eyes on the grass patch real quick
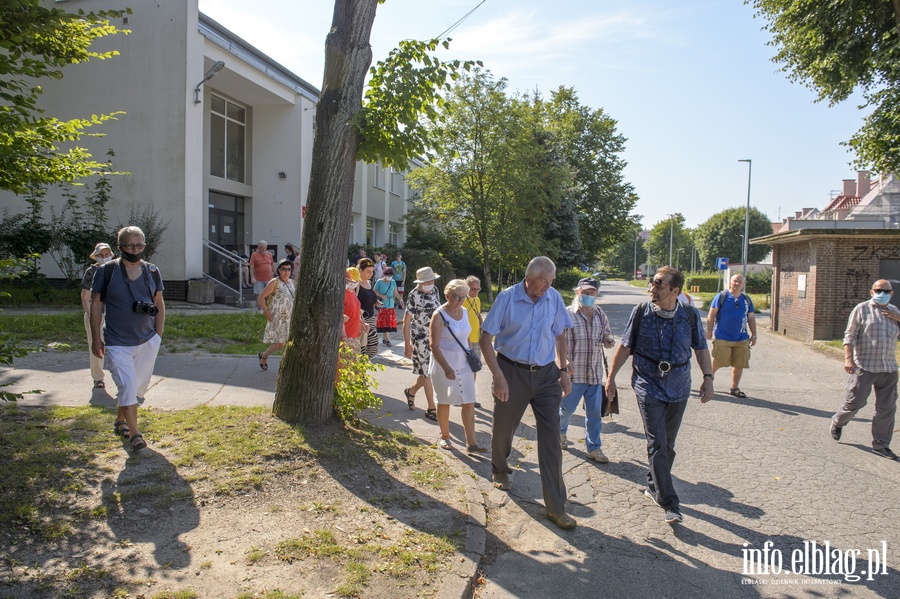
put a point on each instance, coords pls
(183, 594)
(273, 594)
(356, 577)
(234, 333)
(839, 344)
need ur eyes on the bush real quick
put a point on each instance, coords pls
(353, 389)
(416, 259)
(568, 278)
(708, 282)
(759, 281)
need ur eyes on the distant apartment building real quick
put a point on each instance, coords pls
(226, 160)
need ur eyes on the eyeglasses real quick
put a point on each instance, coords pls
(133, 246)
(659, 283)
(458, 298)
(285, 268)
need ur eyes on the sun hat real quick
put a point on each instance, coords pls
(587, 283)
(353, 274)
(426, 275)
(99, 248)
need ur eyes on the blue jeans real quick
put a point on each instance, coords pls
(593, 400)
(662, 419)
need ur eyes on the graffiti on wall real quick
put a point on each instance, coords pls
(866, 252)
(856, 283)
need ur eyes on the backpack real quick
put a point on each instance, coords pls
(721, 298)
(639, 315)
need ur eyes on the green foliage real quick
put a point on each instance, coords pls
(353, 389)
(720, 236)
(759, 281)
(148, 218)
(80, 225)
(836, 48)
(600, 197)
(567, 278)
(496, 179)
(404, 95)
(620, 258)
(708, 282)
(37, 43)
(660, 235)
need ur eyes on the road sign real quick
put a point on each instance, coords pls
(722, 263)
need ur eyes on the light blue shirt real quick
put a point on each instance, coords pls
(526, 331)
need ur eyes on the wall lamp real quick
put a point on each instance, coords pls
(217, 66)
(282, 175)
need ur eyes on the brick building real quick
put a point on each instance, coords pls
(821, 274)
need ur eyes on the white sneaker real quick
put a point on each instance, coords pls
(598, 456)
(562, 440)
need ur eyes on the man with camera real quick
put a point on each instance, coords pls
(135, 315)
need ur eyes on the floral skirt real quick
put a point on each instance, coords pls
(387, 321)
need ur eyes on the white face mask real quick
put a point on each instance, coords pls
(427, 288)
(352, 285)
(101, 260)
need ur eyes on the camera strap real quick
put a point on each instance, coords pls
(127, 280)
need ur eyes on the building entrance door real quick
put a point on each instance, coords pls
(226, 229)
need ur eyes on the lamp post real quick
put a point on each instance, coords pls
(746, 243)
(634, 270)
(671, 234)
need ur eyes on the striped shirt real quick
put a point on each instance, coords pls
(584, 344)
(873, 337)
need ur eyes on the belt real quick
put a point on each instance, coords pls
(663, 366)
(531, 367)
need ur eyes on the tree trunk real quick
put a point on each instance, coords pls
(306, 379)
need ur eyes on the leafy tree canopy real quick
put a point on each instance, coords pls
(36, 43)
(659, 243)
(838, 47)
(720, 236)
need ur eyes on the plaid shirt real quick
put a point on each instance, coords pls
(584, 345)
(873, 337)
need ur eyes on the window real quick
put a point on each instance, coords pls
(227, 139)
(379, 176)
(394, 234)
(370, 231)
(396, 181)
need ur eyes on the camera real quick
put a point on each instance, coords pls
(145, 307)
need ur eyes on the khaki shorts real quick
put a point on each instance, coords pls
(731, 353)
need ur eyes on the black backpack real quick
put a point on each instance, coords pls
(639, 315)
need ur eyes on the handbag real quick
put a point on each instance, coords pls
(607, 407)
(471, 357)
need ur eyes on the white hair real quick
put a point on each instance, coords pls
(540, 265)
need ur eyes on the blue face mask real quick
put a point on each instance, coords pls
(882, 298)
(588, 300)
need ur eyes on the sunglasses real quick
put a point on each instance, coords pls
(883, 290)
(659, 283)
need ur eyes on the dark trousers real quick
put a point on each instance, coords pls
(542, 391)
(858, 389)
(662, 419)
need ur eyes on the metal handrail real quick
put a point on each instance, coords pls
(234, 259)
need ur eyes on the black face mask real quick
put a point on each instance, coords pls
(129, 257)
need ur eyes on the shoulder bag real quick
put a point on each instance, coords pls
(472, 358)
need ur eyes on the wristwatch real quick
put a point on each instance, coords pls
(710, 376)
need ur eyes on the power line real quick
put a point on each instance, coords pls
(459, 22)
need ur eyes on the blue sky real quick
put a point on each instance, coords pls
(691, 84)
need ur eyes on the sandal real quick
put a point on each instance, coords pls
(263, 362)
(445, 444)
(410, 399)
(137, 442)
(737, 392)
(431, 414)
(120, 428)
(99, 384)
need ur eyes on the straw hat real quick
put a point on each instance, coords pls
(99, 248)
(425, 275)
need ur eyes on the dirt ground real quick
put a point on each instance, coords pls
(353, 524)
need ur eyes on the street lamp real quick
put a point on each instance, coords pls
(215, 68)
(634, 270)
(671, 234)
(746, 242)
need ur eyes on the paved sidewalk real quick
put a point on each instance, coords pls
(749, 471)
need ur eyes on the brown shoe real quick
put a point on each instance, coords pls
(563, 520)
(501, 481)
